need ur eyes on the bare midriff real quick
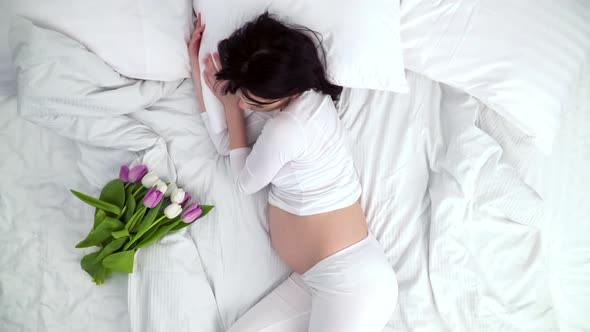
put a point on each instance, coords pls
(303, 241)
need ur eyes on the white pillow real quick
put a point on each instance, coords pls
(521, 58)
(361, 38)
(144, 39)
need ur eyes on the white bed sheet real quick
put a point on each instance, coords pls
(42, 285)
(233, 245)
(7, 73)
(563, 180)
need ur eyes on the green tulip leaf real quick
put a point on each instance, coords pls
(114, 193)
(149, 218)
(180, 226)
(121, 261)
(136, 218)
(98, 272)
(146, 224)
(130, 205)
(101, 233)
(109, 249)
(158, 234)
(97, 203)
(146, 235)
(98, 217)
(120, 234)
(206, 209)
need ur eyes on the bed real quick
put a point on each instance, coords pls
(485, 232)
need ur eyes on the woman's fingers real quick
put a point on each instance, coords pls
(207, 81)
(217, 61)
(210, 63)
(209, 74)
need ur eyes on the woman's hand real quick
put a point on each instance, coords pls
(194, 47)
(212, 65)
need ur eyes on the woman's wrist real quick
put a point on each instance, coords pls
(232, 108)
(236, 126)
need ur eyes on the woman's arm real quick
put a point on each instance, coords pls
(236, 134)
(236, 126)
(281, 141)
(221, 140)
(254, 124)
(193, 51)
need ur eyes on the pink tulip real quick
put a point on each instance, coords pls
(137, 173)
(152, 198)
(187, 197)
(191, 213)
(124, 173)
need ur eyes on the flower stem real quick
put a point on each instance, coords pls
(137, 191)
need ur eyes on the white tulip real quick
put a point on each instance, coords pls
(171, 188)
(150, 179)
(172, 211)
(177, 196)
(161, 186)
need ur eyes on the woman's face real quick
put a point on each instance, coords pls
(257, 104)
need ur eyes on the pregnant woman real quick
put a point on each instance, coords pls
(342, 281)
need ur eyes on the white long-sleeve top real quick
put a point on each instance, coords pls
(302, 154)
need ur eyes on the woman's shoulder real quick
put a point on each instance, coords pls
(309, 105)
(309, 99)
(283, 123)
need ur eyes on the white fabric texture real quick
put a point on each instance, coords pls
(348, 29)
(302, 154)
(354, 290)
(478, 265)
(138, 38)
(563, 181)
(7, 72)
(521, 58)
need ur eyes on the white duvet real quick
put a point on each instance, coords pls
(455, 220)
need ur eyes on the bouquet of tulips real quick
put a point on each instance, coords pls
(133, 212)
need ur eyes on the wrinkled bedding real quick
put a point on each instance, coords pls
(459, 226)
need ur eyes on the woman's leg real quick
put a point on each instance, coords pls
(285, 309)
(354, 290)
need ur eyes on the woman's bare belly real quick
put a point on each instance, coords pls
(302, 241)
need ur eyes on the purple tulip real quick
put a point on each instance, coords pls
(191, 213)
(152, 198)
(187, 197)
(137, 173)
(124, 173)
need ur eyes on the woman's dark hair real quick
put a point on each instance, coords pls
(271, 60)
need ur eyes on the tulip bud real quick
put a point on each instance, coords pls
(171, 187)
(124, 173)
(150, 179)
(136, 173)
(152, 198)
(187, 197)
(161, 186)
(177, 196)
(172, 211)
(191, 213)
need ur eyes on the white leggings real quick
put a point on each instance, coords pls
(354, 290)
